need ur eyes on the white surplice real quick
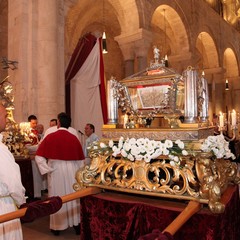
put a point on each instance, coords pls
(61, 173)
(55, 128)
(12, 193)
(61, 177)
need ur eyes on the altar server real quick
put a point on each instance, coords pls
(12, 192)
(64, 154)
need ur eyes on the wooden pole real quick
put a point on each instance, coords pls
(189, 211)
(66, 198)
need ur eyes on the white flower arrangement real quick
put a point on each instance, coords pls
(218, 146)
(141, 149)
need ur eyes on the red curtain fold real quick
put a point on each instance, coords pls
(102, 87)
(114, 218)
(80, 54)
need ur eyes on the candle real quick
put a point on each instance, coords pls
(125, 120)
(221, 120)
(234, 119)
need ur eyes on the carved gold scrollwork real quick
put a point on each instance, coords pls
(214, 177)
(200, 177)
(158, 176)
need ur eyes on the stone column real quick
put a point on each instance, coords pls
(234, 92)
(142, 47)
(218, 90)
(50, 54)
(36, 36)
(135, 46)
(129, 67)
(127, 49)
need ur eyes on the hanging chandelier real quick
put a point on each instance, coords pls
(104, 43)
(226, 85)
(104, 38)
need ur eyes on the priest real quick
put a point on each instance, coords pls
(59, 156)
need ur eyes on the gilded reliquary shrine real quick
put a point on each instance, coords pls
(159, 142)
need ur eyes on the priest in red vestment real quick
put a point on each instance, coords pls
(59, 156)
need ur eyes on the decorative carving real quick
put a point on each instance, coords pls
(199, 178)
(214, 177)
(159, 134)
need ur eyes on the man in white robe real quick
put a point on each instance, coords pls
(12, 192)
(59, 155)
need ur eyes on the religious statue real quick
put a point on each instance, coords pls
(156, 53)
(202, 91)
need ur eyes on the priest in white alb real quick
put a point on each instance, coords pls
(59, 156)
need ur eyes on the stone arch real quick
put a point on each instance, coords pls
(207, 50)
(114, 18)
(169, 30)
(78, 21)
(230, 63)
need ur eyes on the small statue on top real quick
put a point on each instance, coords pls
(156, 53)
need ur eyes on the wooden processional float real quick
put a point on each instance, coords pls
(152, 103)
(161, 95)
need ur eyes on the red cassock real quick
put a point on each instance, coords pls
(61, 145)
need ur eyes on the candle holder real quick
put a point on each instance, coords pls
(221, 129)
(227, 126)
(234, 131)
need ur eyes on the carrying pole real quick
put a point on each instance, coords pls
(66, 198)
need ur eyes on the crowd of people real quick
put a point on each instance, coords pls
(56, 155)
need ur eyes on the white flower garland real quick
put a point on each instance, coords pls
(218, 146)
(143, 149)
(146, 150)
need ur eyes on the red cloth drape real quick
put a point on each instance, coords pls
(102, 87)
(115, 216)
(80, 54)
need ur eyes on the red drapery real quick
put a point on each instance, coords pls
(102, 87)
(80, 54)
(115, 216)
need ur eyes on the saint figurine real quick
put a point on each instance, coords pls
(156, 53)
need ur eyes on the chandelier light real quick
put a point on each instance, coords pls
(165, 38)
(104, 38)
(226, 85)
(104, 43)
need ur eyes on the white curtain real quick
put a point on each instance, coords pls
(85, 95)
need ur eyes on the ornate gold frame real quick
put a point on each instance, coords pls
(198, 178)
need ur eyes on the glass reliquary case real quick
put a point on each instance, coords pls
(156, 93)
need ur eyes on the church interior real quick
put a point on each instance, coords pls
(188, 51)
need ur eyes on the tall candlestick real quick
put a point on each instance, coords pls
(125, 121)
(221, 120)
(234, 119)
